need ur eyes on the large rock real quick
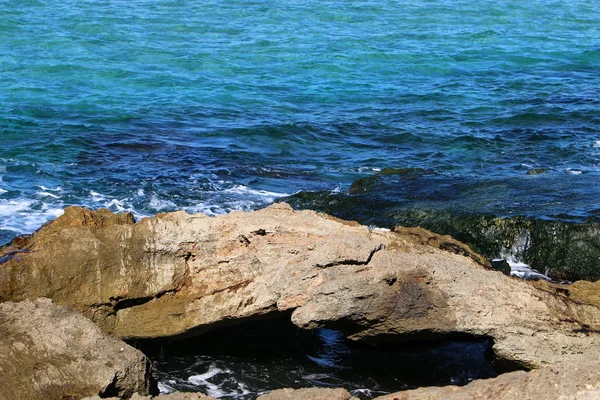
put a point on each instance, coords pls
(178, 274)
(576, 380)
(51, 352)
(308, 394)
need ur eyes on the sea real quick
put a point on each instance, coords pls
(484, 109)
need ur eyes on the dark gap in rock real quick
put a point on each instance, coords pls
(128, 303)
(243, 360)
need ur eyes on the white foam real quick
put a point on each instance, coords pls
(203, 381)
(517, 267)
(369, 169)
(2, 191)
(337, 189)
(377, 229)
(159, 204)
(524, 271)
(597, 144)
(26, 215)
(574, 171)
(56, 189)
(165, 388)
(242, 189)
(97, 196)
(47, 194)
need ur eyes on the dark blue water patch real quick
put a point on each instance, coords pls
(538, 193)
(255, 357)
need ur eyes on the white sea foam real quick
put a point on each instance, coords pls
(517, 267)
(202, 380)
(2, 191)
(26, 215)
(367, 392)
(597, 144)
(377, 229)
(245, 190)
(165, 387)
(47, 194)
(97, 196)
(56, 189)
(524, 271)
(574, 171)
(160, 204)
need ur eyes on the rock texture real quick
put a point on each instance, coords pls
(178, 274)
(577, 380)
(308, 394)
(51, 352)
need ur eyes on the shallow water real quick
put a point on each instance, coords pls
(246, 360)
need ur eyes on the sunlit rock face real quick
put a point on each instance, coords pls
(51, 352)
(179, 275)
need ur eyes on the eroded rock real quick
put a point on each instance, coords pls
(51, 352)
(178, 274)
(576, 380)
(308, 394)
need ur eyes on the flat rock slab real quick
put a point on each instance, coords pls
(51, 352)
(177, 275)
(308, 394)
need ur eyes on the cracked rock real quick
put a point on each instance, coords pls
(178, 275)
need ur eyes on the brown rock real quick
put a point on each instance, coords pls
(307, 394)
(576, 380)
(51, 352)
(178, 274)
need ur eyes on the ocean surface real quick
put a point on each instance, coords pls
(487, 108)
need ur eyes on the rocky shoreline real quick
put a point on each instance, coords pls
(178, 275)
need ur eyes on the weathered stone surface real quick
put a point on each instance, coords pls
(177, 274)
(308, 394)
(51, 352)
(170, 396)
(577, 380)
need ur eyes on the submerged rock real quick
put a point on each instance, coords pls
(51, 352)
(178, 275)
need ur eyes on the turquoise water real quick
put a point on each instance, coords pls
(211, 106)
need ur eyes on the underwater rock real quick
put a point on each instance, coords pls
(51, 352)
(177, 275)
